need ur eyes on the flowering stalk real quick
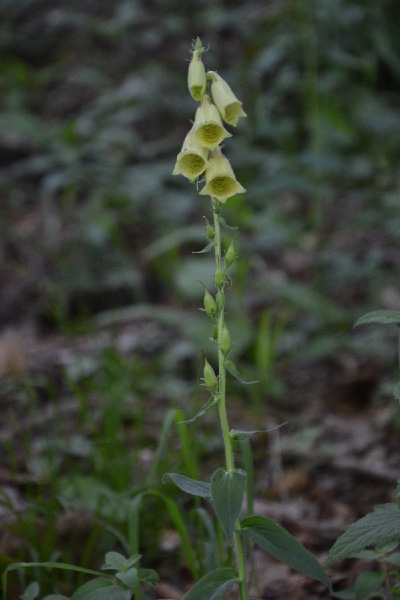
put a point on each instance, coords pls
(201, 153)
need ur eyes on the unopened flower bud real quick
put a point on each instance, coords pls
(197, 80)
(230, 255)
(210, 306)
(210, 378)
(230, 108)
(210, 231)
(220, 301)
(219, 278)
(225, 343)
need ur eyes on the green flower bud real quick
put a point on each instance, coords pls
(221, 182)
(220, 301)
(210, 306)
(210, 378)
(230, 255)
(219, 278)
(192, 159)
(230, 108)
(210, 231)
(225, 343)
(197, 80)
(208, 125)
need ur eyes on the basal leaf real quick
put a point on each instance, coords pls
(379, 527)
(212, 585)
(190, 486)
(227, 490)
(380, 316)
(278, 542)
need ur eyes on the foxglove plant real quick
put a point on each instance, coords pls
(202, 154)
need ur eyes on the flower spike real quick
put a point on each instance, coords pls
(209, 131)
(221, 182)
(192, 159)
(229, 107)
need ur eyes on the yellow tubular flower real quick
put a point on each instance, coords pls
(209, 131)
(192, 159)
(197, 80)
(221, 182)
(230, 108)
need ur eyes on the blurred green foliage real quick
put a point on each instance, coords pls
(93, 111)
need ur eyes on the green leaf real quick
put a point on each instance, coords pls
(148, 576)
(31, 591)
(129, 577)
(348, 594)
(278, 542)
(118, 562)
(190, 486)
(208, 248)
(99, 589)
(379, 527)
(380, 316)
(206, 407)
(227, 491)
(225, 224)
(396, 391)
(212, 585)
(241, 434)
(367, 584)
(393, 559)
(230, 365)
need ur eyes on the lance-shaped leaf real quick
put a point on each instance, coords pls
(190, 486)
(227, 490)
(380, 316)
(278, 542)
(212, 585)
(206, 407)
(231, 367)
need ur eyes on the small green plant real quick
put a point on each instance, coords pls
(380, 528)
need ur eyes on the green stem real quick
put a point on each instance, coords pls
(229, 458)
(230, 465)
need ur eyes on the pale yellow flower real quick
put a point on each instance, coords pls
(229, 107)
(197, 80)
(209, 131)
(221, 182)
(192, 159)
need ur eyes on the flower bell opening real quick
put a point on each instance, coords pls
(208, 125)
(221, 182)
(192, 159)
